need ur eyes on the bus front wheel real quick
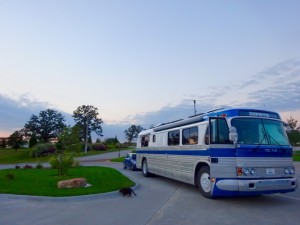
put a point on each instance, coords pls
(145, 168)
(203, 181)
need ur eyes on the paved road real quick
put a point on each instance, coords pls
(159, 201)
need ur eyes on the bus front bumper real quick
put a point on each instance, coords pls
(259, 185)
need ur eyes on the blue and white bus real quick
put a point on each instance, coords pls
(225, 152)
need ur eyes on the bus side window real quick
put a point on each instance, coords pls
(153, 138)
(145, 140)
(219, 132)
(190, 136)
(173, 137)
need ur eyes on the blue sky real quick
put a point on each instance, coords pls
(144, 62)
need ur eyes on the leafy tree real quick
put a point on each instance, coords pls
(85, 117)
(111, 141)
(292, 123)
(70, 135)
(49, 124)
(293, 134)
(32, 140)
(3, 144)
(294, 137)
(16, 140)
(132, 132)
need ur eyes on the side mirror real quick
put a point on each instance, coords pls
(287, 127)
(233, 135)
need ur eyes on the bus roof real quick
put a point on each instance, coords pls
(223, 112)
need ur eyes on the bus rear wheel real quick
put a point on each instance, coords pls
(145, 168)
(203, 181)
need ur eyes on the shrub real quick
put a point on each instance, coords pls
(42, 150)
(62, 162)
(18, 167)
(76, 163)
(99, 147)
(10, 176)
(27, 166)
(39, 166)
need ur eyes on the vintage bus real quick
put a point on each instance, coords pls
(224, 152)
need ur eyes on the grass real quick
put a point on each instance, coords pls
(43, 182)
(11, 156)
(296, 155)
(121, 159)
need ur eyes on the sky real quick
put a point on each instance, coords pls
(144, 62)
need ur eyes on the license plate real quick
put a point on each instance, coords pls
(270, 171)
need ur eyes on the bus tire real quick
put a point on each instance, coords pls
(145, 168)
(203, 181)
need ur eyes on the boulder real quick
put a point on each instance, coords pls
(72, 183)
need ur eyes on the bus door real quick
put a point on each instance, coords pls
(222, 150)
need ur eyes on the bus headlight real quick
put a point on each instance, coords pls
(289, 170)
(292, 170)
(252, 171)
(286, 171)
(246, 171)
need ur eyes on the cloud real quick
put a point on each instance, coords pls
(276, 88)
(15, 113)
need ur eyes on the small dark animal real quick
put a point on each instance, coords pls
(127, 191)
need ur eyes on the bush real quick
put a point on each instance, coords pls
(39, 166)
(27, 166)
(62, 162)
(42, 150)
(10, 176)
(99, 147)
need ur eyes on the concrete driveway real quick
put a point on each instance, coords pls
(158, 201)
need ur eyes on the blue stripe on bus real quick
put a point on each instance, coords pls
(226, 152)
(176, 152)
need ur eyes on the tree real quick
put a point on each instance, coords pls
(293, 133)
(16, 139)
(111, 141)
(49, 124)
(70, 135)
(85, 117)
(32, 140)
(292, 123)
(132, 132)
(3, 144)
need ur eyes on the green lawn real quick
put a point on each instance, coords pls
(121, 159)
(10, 156)
(296, 155)
(43, 182)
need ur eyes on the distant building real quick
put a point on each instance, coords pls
(3, 138)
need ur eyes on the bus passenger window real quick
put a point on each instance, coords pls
(153, 138)
(190, 136)
(145, 140)
(173, 137)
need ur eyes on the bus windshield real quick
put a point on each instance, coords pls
(260, 131)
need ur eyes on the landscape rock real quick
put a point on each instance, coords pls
(72, 183)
